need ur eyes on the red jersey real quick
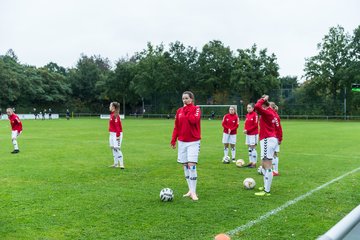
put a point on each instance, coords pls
(251, 123)
(15, 122)
(267, 120)
(230, 121)
(115, 124)
(278, 128)
(187, 124)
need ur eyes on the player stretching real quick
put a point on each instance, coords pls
(268, 141)
(230, 124)
(16, 128)
(279, 135)
(187, 133)
(251, 129)
(116, 135)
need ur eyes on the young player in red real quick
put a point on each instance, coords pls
(251, 129)
(268, 141)
(230, 124)
(188, 134)
(116, 135)
(279, 136)
(16, 128)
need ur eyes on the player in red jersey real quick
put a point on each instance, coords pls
(16, 128)
(279, 136)
(116, 135)
(268, 141)
(188, 134)
(251, 129)
(230, 124)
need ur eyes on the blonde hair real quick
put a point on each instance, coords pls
(116, 105)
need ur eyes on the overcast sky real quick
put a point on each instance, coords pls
(41, 31)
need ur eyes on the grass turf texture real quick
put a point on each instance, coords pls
(60, 186)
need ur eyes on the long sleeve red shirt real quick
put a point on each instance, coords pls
(15, 122)
(267, 120)
(251, 123)
(278, 128)
(187, 124)
(230, 121)
(115, 124)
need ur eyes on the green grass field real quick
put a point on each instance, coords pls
(60, 186)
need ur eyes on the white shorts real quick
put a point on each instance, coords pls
(229, 138)
(188, 152)
(15, 134)
(252, 139)
(268, 146)
(115, 143)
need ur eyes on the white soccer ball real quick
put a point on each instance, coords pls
(240, 163)
(226, 159)
(249, 183)
(259, 170)
(166, 195)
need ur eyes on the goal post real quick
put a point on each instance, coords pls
(215, 111)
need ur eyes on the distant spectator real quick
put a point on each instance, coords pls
(35, 113)
(67, 114)
(50, 113)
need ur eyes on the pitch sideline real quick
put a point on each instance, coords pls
(287, 204)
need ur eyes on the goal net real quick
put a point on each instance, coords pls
(215, 111)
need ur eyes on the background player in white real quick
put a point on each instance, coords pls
(251, 129)
(187, 132)
(230, 124)
(116, 135)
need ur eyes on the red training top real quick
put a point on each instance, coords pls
(278, 128)
(230, 121)
(267, 120)
(115, 124)
(15, 122)
(251, 123)
(187, 124)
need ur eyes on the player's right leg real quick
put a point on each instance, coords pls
(112, 143)
(14, 135)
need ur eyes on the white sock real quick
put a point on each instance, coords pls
(120, 158)
(193, 178)
(250, 154)
(276, 164)
(268, 179)
(115, 154)
(187, 175)
(233, 151)
(226, 152)
(254, 156)
(14, 142)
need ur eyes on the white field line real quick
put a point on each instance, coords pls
(287, 204)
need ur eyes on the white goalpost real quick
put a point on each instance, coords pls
(212, 111)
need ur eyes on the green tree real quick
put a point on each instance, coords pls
(215, 64)
(329, 68)
(254, 74)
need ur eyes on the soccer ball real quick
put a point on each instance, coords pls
(240, 163)
(249, 183)
(259, 170)
(226, 159)
(166, 195)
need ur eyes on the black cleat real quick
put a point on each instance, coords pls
(15, 151)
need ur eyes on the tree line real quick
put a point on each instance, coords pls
(154, 78)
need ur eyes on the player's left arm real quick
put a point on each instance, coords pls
(194, 115)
